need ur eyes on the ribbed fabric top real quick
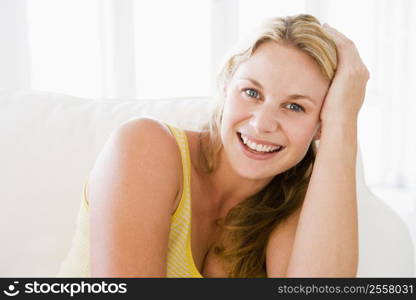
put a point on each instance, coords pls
(180, 261)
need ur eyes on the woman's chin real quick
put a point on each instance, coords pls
(253, 173)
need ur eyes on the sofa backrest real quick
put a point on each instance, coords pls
(49, 143)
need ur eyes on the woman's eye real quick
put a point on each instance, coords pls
(252, 93)
(295, 107)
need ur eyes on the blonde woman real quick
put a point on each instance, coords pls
(250, 194)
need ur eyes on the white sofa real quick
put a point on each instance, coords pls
(48, 145)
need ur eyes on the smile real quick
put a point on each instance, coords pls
(258, 151)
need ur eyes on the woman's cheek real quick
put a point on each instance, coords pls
(300, 133)
(236, 108)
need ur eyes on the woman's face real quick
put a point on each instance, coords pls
(273, 100)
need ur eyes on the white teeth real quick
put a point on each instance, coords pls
(258, 147)
(244, 139)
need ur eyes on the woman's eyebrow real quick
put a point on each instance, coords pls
(290, 97)
(298, 97)
(253, 81)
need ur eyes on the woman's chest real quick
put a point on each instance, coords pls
(205, 232)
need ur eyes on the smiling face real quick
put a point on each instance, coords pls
(274, 100)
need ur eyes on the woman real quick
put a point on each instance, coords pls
(260, 199)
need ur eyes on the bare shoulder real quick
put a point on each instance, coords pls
(154, 132)
(141, 145)
(132, 189)
(280, 244)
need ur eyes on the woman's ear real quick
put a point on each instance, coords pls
(317, 135)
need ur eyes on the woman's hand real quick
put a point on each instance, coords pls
(346, 93)
(326, 243)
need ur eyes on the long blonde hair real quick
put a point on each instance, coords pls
(248, 225)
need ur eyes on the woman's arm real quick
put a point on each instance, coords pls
(132, 190)
(325, 228)
(326, 240)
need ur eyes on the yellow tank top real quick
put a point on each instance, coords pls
(180, 261)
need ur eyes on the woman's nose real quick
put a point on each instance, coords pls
(264, 120)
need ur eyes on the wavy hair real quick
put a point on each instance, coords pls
(247, 226)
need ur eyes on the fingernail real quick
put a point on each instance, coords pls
(325, 25)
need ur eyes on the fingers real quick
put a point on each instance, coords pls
(347, 51)
(338, 37)
(344, 44)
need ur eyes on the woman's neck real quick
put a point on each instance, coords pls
(228, 188)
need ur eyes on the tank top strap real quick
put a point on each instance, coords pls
(182, 141)
(180, 258)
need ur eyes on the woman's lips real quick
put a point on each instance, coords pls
(254, 154)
